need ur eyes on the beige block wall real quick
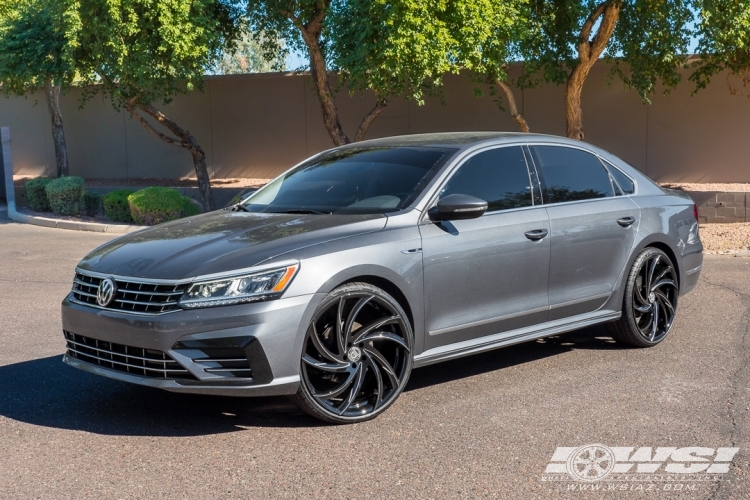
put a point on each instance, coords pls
(260, 125)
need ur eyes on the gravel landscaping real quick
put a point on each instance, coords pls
(725, 238)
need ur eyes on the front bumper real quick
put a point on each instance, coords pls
(268, 334)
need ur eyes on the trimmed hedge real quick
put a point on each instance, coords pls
(92, 203)
(116, 206)
(155, 205)
(65, 195)
(189, 208)
(36, 193)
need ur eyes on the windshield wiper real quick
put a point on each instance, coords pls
(240, 206)
(302, 211)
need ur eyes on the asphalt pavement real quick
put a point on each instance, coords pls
(481, 426)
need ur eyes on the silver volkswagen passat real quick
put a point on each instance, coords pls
(336, 279)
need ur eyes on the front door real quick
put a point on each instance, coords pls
(487, 275)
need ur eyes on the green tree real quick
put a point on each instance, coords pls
(33, 57)
(140, 52)
(487, 37)
(724, 42)
(248, 56)
(393, 48)
(645, 41)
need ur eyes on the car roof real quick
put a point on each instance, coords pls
(459, 139)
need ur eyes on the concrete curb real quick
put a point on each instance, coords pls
(13, 214)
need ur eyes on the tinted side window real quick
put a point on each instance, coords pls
(498, 176)
(571, 174)
(626, 184)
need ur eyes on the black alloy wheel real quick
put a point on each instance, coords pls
(357, 355)
(650, 301)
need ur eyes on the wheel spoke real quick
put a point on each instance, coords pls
(655, 324)
(378, 378)
(352, 316)
(667, 309)
(666, 270)
(662, 283)
(384, 365)
(387, 336)
(339, 325)
(358, 380)
(651, 270)
(388, 320)
(338, 390)
(323, 350)
(642, 309)
(322, 365)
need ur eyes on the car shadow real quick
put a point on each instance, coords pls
(586, 338)
(48, 393)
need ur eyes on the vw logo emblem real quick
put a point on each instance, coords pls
(106, 292)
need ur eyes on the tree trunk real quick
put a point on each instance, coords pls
(184, 140)
(518, 117)
(589, 50)
(367, 120)
(52, 93)
(323, 88)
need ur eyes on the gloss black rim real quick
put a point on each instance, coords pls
(655, 298)
(357, 355)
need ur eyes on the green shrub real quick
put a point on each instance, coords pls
(92, 203)
(116, 207)
(36, 193)
(65, 195)
(189, 208)
(154, 205)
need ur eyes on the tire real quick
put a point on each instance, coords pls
(354, 372)
(650, 301)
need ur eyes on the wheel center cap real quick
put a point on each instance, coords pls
(652, 297)
(354, 354)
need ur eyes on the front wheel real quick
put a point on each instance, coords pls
(650, 301)
(357, 355)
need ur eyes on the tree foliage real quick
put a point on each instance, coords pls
(33, 45)
(34, 55)
(724, 41)
(249, 56)
(141, 52)
(646, 42)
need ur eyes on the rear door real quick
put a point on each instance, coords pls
(484, 276)
(593, 228)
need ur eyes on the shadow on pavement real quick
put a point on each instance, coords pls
(477, 364)
(48, 393)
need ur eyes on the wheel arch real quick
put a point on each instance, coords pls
(383, 278)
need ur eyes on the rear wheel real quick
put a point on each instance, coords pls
(356, 357)
(650, 301)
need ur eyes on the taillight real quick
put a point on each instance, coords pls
(695, 211)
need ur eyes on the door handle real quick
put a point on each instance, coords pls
(626, 221)
(536, 234)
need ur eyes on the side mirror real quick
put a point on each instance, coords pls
(457, 207)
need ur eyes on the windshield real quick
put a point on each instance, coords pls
(352, 180)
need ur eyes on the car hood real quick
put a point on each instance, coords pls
(220, 241)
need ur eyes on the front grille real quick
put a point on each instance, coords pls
(134, 360)
(132, 295)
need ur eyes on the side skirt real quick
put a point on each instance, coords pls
(474, 346)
